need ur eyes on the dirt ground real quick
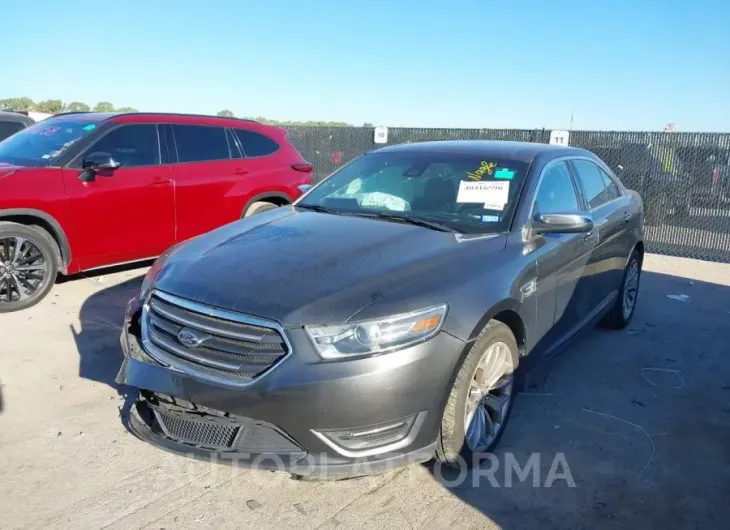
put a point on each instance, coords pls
(641, 418)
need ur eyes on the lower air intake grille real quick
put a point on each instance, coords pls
(194, 432)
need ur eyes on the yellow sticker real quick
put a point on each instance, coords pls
(484, 168)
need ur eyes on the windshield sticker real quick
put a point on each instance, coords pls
(89, 127)
(481, 191)
(50, 131)
(504, 174)
(490, 218)
(497, 195)
(484, 168)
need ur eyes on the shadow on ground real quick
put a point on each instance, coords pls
(622, 429)
(101, 316)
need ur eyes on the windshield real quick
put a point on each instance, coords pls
(467, 193)
(40, 144)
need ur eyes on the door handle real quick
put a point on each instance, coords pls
(240, 172)
(158, 181)
(627, 216)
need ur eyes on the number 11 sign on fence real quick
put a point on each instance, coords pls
(559, 137)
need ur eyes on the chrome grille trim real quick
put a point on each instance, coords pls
(243, 357)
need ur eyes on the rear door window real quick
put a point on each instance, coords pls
(596, 190)
(256, 144)
(201, 143)
(613, 190)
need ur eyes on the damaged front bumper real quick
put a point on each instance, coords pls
(308, 417)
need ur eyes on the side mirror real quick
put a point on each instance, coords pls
(100, 160)
(96, 161)
(562, 223)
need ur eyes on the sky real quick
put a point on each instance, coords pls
(613, 65)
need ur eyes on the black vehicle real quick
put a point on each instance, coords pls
(12, 122)
(389, 315)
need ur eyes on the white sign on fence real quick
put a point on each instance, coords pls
(559, 137)
(381, 135)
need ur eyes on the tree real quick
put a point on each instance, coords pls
(225, 113)
(16, 103)
(103, 106)
(77, 106)
(51, 106)
(127, 109)
(368, 124)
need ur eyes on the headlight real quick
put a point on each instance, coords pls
(149, 278)
(377, 336)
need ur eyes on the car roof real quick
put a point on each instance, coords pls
(526, 151)
(164, 117)
(16, 117)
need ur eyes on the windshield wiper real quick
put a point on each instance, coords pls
(317, 208)
(408, 219)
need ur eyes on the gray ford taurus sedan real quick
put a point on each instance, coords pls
(388, 316)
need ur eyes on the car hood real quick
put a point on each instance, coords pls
(303, 267)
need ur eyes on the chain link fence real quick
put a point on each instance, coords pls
(684, 178)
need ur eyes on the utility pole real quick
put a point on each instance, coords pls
(572, 114)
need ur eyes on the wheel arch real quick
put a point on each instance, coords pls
(508, 312)
(274, 197)
(29, 216)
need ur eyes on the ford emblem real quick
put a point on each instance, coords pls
(189, 338)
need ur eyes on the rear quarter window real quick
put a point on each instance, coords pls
(256, 144)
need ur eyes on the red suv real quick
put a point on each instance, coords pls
(85, 190)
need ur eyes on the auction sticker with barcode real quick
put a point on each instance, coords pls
(494, 195)
(497, 195)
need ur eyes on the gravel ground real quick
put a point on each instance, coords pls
(624, 429)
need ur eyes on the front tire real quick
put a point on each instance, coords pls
(481, 398)
(28, 266)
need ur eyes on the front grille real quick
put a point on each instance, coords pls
(211, 343)
(198, 432)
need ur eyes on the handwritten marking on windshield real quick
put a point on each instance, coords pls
(50, 131)
(485, 167)
(57, 152)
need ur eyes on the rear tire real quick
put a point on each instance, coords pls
(453, 443)
(623, 310)
(27, 273)
(259, 207)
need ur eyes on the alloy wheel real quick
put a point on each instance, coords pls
(631, 288)
(23, 269)
(489, 397)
